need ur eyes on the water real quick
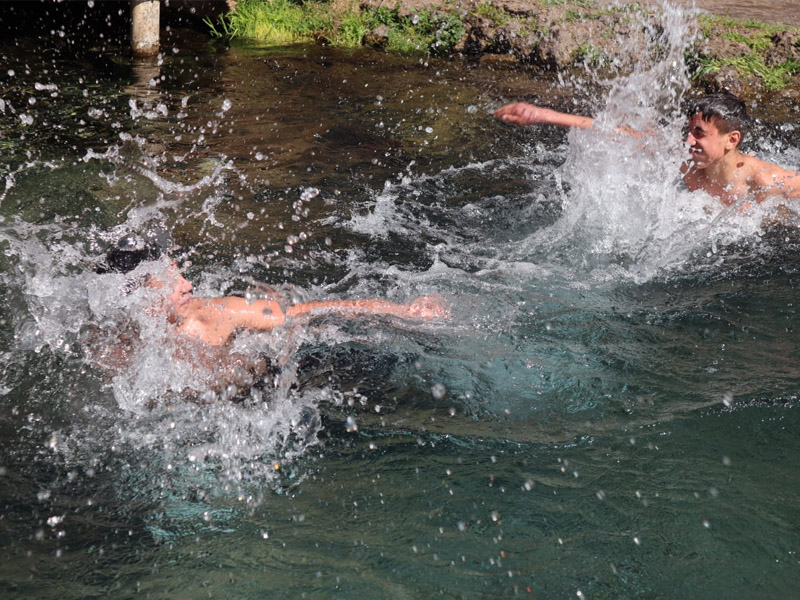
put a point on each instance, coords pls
(610, 412)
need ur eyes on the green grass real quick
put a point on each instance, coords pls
(757, 36)
(278, 22)
(589, 54)
(773, 77)
(282, 22)
(496, 14)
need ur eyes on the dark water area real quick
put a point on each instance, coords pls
(610, 412)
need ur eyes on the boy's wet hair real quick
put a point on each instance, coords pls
(130, 251)
(726, 111)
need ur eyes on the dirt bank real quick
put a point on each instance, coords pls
(745, 57)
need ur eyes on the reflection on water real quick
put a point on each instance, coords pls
(608, 413)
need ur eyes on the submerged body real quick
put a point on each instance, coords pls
(199, 357)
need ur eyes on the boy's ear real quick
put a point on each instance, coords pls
(734, 137)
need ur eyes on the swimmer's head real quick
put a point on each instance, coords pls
(133, 249)
(725, 111)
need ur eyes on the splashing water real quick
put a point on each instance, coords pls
(598, 312)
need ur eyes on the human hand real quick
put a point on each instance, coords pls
(522, 113)
(429, 307)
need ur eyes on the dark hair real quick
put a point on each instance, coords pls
(130, 251)
(726, 111)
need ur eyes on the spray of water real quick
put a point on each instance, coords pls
(625, 210)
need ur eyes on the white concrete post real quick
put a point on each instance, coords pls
(145, 26)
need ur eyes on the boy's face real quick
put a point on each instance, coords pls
(173, 280)
(707, 144)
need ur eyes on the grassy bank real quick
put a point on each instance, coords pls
(768, 55)
(752, 49)
(342, 23)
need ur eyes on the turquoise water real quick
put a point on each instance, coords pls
(611, 411)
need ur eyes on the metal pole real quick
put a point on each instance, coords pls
(144, 27)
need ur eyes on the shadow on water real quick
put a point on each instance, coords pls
(609, 412)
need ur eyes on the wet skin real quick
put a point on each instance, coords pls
(215, 320)
(715, 164)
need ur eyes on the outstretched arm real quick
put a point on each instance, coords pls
(425, 307)
(215, 320)
(522, 113)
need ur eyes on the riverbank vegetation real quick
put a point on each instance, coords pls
(753, 49)
(548, 34)
(345, 24)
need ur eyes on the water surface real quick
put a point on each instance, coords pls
(610, 412)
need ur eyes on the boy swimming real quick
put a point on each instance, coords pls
(214, 321)
(717, 125)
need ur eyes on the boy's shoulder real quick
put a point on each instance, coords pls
(762, 172)
(766, 178)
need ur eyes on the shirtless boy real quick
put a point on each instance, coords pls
(214, 321)
(717, 124)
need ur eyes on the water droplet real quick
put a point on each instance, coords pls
(529, 485)
(726, 461)
(495, 515)
(415, 19)
(472, 109)
(727, 398)
(350, 425)
(601, 495)
(55, 520)
(226, 105)
(438, 391)
(461, 526)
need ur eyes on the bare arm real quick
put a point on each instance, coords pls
(522, 113)
(425, 307)
(215, 320)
